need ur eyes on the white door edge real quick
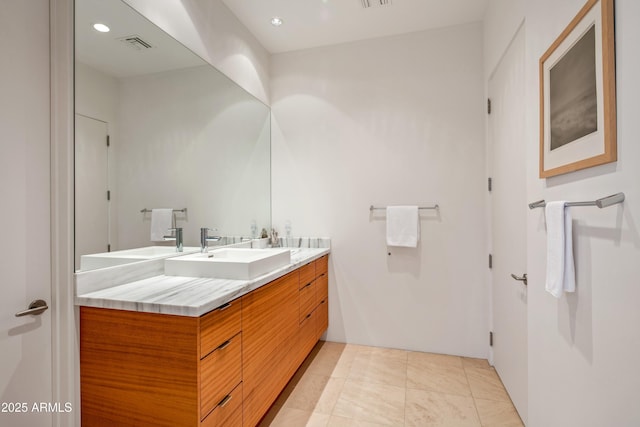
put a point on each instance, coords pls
(65, 366)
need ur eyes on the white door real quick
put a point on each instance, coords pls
(91, 184)
(25, 256)
(509, 209)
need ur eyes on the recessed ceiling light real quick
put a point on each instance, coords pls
(276, 22)
(101, 27)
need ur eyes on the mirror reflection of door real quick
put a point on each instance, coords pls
(92, 185)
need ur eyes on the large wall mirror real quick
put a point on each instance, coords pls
(180, 135)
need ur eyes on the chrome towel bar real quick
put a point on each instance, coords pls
(372, 208)
(604, 202)
(145, 210)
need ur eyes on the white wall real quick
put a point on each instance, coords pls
(189, 138)
(96, 94)
(397, 120)
(502, 19)
(584, 348)
(212, 31)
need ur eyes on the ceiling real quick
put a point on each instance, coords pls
(108, 53)
(313, 23)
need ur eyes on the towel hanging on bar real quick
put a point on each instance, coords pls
(403, 226)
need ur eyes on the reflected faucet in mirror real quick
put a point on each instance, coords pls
(205, 238)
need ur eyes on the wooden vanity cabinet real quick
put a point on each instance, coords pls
(138, 368)
(157, 369)
(281, 323)
(270, 326)
(225, 368)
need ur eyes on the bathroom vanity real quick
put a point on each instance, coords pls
(180, 351)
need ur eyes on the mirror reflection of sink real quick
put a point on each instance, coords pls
(109, 259)
(228, 263)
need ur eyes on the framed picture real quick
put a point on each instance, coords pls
(578, 94)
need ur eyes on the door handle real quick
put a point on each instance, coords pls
(36, 307)
(521, 279)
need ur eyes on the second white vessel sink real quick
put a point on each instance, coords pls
(228, 263)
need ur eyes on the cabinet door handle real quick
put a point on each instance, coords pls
(224, 345)
(308, 315)
(307, 285)
(224, 306)
(224, 401)
(323, 301)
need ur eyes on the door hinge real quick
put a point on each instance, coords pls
(490, 260)
(490, 184)
(108, 141)
(490, 339)
(108, 195)
(488, 105)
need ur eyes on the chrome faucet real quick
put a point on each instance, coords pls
(177, 237)
(205, 238)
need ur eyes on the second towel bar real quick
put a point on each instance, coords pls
(145, 210)
(604, 202)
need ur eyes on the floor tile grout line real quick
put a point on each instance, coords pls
(475, 406)
(473, 397)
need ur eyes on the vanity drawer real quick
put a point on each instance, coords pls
(220, 372)
(307, 274)
(219, 325)
(228, 412)
(308, 334)
(322, 289)
(307, 299)
(322, 265)
(322, 313)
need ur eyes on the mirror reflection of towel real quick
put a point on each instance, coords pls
(160, 223)
(403, 226)
(561, 276)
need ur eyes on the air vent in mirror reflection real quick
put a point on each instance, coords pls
(135, 42)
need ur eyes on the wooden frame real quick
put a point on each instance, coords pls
(578, 94)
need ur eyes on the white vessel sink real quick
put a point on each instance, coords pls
(109, 259)
(228, 263)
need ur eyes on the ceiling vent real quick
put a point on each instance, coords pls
(135, 42)
(366, 4)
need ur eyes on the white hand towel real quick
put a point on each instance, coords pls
(561, 274)
(403, 226)
(160, 223)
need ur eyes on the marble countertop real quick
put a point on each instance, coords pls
(186, 296)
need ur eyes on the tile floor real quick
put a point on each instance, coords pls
(351, 385)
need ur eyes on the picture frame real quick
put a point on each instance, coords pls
(578, 94)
